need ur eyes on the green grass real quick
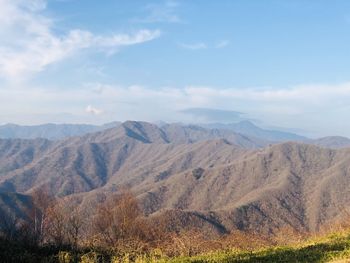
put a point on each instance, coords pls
(328, 249)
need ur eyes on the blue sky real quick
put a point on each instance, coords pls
(283, 62)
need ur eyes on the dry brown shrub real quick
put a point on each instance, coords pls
(244, 240)
(288, 236)
(118, 223)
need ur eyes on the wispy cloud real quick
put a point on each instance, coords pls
(93, 110)
(28, 43)
(202, 45)
(194, 46)
(222, 44)
(165, 12)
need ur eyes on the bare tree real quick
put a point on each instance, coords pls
(117, 218)
(55, 225)
(74, 223)
(42, 201)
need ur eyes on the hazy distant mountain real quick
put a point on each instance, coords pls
(218, 130)
(50, 131)
(224, 178)
(250, 129)
(332, 142)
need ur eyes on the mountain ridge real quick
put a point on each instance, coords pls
(237, 181)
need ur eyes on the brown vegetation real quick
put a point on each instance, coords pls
(117, 226)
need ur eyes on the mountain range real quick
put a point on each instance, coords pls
(225, 179)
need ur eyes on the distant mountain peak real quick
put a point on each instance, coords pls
(248, 128)
(332, 142)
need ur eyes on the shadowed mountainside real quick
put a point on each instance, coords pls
(290, 184)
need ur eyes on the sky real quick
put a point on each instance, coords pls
(282, 63)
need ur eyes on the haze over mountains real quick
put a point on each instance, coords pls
(248, 128)
(50, 131)
(226, 179)
(245, 127)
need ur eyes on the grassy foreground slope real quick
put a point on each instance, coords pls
(334, 248)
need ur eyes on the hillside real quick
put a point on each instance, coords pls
(290, 184)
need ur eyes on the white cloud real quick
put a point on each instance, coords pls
(161, 13)
(28, 43)
(122, 39)
(222, 44)
(202, 45)
(93, 110)
(194, 46)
